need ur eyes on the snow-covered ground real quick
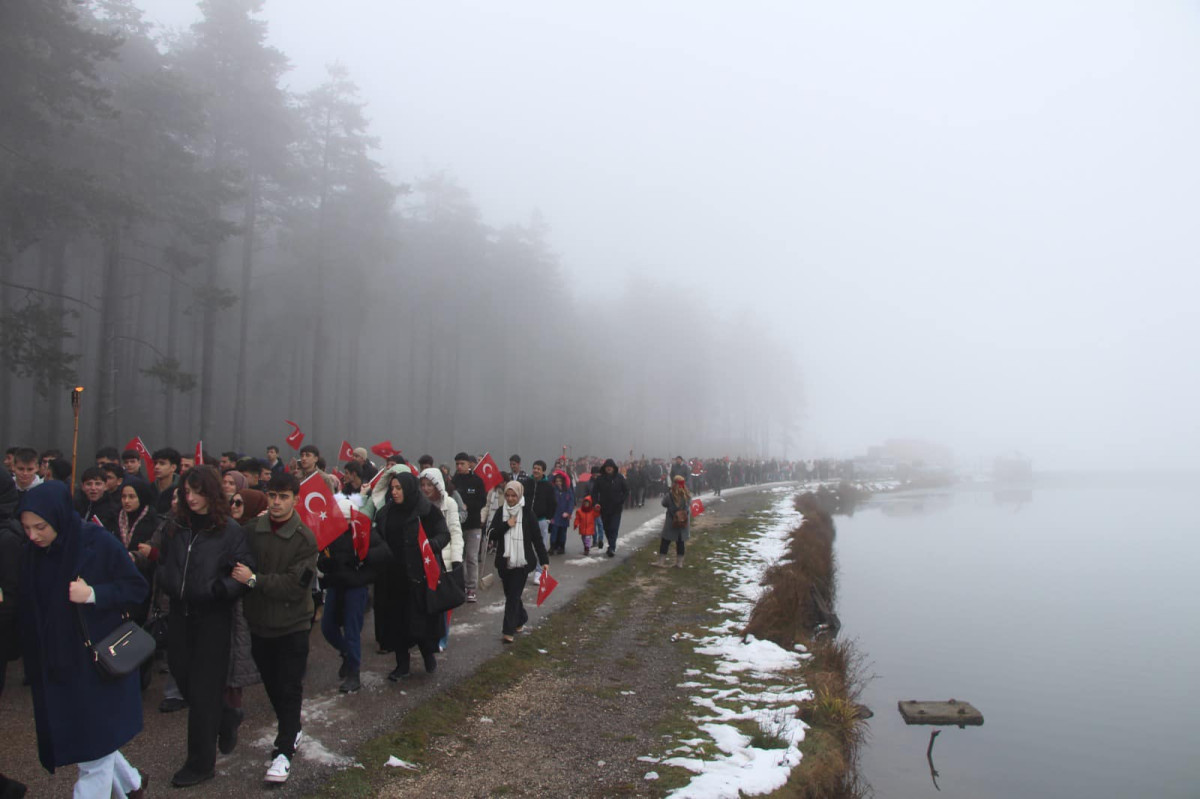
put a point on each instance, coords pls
(747, 680)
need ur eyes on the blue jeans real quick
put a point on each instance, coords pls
(342, 622)
(558, 535)
(107, 776)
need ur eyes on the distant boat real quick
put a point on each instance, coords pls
(1012, 468)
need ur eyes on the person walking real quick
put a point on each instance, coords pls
(75, 581)
(564, 505)
(347, 579)
(514, 531)
(677, 523)
(609, 491)
(279, 610)
(195, 571)
(474, 495)
(433, 486)
(400, 591)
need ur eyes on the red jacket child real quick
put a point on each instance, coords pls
(585, 518)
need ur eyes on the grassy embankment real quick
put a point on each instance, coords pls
(798, 599)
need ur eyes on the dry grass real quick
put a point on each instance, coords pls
(796, 603)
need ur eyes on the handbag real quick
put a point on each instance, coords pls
(679, 519)
(122, 651)
(451, 591)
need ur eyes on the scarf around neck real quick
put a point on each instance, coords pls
(514, 537)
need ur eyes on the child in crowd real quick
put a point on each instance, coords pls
(586, 520)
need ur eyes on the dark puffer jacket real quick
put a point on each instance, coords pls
(609, 490)
(340, 566)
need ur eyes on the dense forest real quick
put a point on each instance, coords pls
(209, 253)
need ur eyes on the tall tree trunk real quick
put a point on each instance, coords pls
(106, 357)
(239, 392)
(52, 257)
(172, 352)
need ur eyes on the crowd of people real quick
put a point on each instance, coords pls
(211, 555)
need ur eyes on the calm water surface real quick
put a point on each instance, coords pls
(1068, 614)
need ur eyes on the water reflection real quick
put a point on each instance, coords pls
(1015, 498)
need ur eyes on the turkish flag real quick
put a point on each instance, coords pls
(137, 443)
(697, 507)
(384, 449)
(346, 453)
(488, 472)
(546, 586)
(294, 438)
(319, 510)
(199, 456)
(360, 529)
(432, 570)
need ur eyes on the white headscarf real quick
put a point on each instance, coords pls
(514, 538)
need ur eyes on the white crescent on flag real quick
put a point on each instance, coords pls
(322, 514)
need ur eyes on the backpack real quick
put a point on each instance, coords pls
(679, 519)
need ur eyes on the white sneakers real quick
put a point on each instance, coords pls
(281, 766)
(279, 770)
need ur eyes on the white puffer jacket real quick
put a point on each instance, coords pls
(453, 553)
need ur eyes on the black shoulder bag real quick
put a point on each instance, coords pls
(121, 652)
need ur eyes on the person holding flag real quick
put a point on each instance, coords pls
(413, 529)
(518, 539)
(349, 565)
(279, 610)
(677, 523)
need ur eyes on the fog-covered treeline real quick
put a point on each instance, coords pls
(209, 253)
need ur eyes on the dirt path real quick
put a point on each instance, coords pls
(599, 690)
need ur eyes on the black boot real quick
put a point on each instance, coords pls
(351, 683)
(401, 669)
(430, 663)
(227, 733)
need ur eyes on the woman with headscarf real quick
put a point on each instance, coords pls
(77, 573)
(433, 486)
(137, 518)
(232, 482)
(196, 564)
(244, 508)
(519, 546)
(247, 505)
(677, 523)
(401, 589)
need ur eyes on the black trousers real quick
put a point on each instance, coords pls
(198, 655)
(282, 662)
(664, 547)
(515, 614)
(612, 525)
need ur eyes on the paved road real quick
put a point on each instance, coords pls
(335, 724)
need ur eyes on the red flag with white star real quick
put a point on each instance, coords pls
(428, 558)
(319, 510)
(144, 451)
(697, 507)
(360, 528)
(489, 473)
(546, 586)
(346, 453)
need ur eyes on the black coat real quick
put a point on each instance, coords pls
(544, 501)
(609, 490)
(470, 488)
(535, 549)
(402, 621)
(195, 565)
(12, 541)
(105, 509)
(341, 568)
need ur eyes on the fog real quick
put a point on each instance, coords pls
(971, 223)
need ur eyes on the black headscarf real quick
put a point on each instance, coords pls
(145, 493)
(412, 494)
(47, 573)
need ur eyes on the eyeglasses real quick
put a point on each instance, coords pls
(237, 503)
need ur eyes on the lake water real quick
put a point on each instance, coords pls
(1068, 614)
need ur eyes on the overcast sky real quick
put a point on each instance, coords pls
(976, 221)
